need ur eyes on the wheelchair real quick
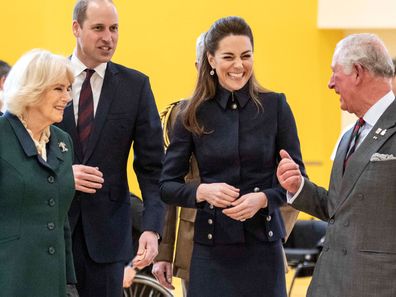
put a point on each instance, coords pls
(146, 286)
(303, 247)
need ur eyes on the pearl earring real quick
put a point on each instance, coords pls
(211, 72)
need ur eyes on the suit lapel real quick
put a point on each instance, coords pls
(371, 144)
(337, 172)
(69, 122)
(107, 95)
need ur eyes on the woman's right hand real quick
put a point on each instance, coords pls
(217, 194)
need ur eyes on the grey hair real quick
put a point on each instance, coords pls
(367, 50)
(31, 76)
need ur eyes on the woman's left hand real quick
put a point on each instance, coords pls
(246, 206)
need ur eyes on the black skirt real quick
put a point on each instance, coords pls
(251, 269)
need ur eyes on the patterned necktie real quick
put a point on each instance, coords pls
(354, 139)
(85, 110)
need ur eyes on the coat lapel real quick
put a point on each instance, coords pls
(371, 144)
(54, 154)
(107, 95)
(53, 151)
(23, 136)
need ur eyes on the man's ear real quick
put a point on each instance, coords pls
(359, 72)
(76, 28)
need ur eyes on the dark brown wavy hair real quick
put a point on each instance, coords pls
(205, 88)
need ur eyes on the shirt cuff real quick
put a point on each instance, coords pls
(290, 198)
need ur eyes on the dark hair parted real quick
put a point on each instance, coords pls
(4, 68)
(80, 10)
(205, 88)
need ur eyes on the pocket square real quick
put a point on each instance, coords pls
(382, 157)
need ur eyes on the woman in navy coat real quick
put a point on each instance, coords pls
(235, 130)
(36, 179)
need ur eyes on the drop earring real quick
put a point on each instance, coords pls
(211, 72)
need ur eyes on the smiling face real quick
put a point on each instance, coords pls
(50, 108)
(343, 85)
(97, 36)
(233, 61)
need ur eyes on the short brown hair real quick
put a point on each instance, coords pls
(80, 10)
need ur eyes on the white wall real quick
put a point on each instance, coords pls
(356, 14)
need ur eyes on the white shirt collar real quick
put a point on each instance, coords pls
(79, 67)
(374, 113)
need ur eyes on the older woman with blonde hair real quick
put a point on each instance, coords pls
(36, 179)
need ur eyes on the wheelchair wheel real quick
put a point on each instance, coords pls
(145, 286)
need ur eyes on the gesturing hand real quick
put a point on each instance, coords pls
(288, 173)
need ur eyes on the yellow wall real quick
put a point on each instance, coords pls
(158, 38)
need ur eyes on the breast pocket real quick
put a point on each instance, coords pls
(118, 127)
(376, 193)
(379, 174)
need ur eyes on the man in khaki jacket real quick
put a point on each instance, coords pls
(180, 257)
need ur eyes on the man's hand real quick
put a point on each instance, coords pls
(88, 179)
(246, 206)
(288, 173)
(217, 194)
(148, 250)
(129, 276)
(163, 272)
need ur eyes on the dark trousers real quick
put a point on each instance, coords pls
(95, 279)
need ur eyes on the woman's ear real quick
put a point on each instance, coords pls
(211, 60)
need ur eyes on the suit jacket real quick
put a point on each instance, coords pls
(181, 256)
(241, 149)
(359, 253)
(35, 241)
(126, 114)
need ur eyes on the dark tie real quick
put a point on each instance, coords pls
(85, 110)
(354, 139)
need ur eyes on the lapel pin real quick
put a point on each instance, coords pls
(378, 131)
(383, 132)
(63, 147)
(375, 137)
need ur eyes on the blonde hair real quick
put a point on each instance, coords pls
(31, 76)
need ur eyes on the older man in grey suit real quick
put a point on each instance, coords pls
(359, 253)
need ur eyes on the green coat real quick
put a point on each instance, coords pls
(35, 242)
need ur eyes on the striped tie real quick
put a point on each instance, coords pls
(354, 139)
(85, 110)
